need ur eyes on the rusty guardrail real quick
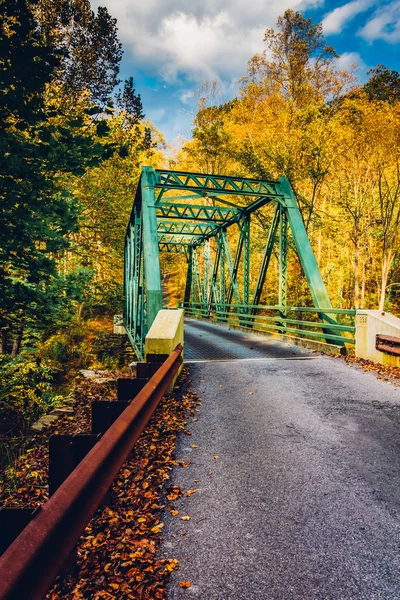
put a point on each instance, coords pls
(388, 344)
(32, 562)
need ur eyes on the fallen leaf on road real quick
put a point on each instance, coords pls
(185, 584)
(251, 393)
(190, 492)
(215, 456)
(194, 446)
(185, 518)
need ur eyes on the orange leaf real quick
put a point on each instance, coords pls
(185, 584)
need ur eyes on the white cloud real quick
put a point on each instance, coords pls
(348, 59)
(335, 21)
(200, 39)
(384, 24)
(156, 115)
(186, 96)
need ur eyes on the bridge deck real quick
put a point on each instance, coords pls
(303, 501)
(206, 341)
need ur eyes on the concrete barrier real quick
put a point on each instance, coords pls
(165, 334)
(369, 324)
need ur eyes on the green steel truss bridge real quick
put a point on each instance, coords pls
(202, 216)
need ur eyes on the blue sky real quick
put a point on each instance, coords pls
(172, 46)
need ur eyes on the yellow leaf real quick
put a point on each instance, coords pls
(172, 565)
(194, 446)
(251, 393)
(185, 518)
(174, 512)
(157, 528)
(216, 456)
(190, 492)
(141, 520)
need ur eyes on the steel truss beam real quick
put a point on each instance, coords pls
(238, 186)
(195, 213)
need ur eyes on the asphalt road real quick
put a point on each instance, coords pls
(303, 500)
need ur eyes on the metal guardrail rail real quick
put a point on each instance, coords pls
(258, 317)
(388, 344)
(32, 562)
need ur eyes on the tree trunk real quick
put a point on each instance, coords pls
(81, 306)
(386, 264)
(3, 342)
(17, 342)
(363, 285)
(356, 277)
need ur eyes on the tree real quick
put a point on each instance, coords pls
(88, 46)
(384, 84)
(38, 154)
(302, 66)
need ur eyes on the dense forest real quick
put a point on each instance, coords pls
(73, 140)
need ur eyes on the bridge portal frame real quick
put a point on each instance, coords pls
(179, 212)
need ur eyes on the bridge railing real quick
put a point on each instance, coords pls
(305, 322)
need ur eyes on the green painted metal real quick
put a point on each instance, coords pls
(245, 236)
(230, 264)
(267, 256)
(259, 321)
(305, 252)
(189, 276)
(194, 214)
(283, 259)
(150, 246)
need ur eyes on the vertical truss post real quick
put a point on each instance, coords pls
(133, 316)
(222, 280)
(283, 260)
(197, 291)
(213, 294)
(138, 291)
(231, 268)
(245, 235)
(266, 258)
(206, 271)
(236, 263)
(189, 276)
(150, 246)
(128, 277)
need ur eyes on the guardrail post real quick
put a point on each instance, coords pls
(104, 414)
(12, 522)
(65, 453)
(128, 387)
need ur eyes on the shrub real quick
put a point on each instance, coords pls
(25, 391)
